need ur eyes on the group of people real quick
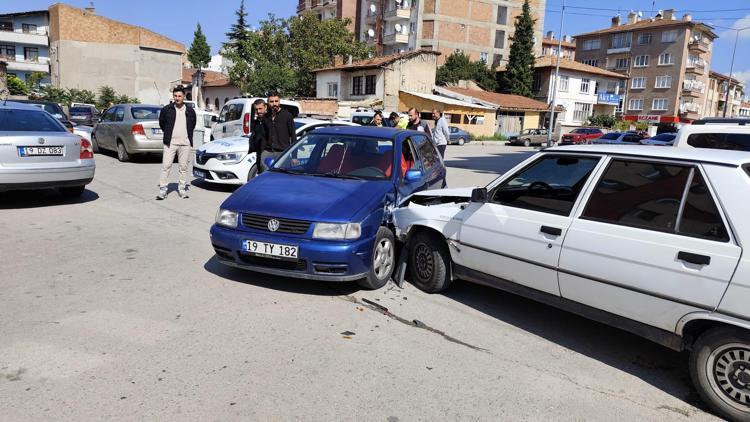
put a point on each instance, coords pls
(439, 135)
(272, 133)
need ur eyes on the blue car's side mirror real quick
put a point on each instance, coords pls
(413, 176)
(269, 162)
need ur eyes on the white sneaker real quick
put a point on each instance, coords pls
(162, 193)
(183, 192)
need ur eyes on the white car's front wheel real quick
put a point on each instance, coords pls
(429, 262)
(720, 369)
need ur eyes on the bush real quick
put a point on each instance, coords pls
(16, 86)
(602, 120)
(489, 138)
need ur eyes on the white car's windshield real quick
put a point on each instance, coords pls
(339, 156)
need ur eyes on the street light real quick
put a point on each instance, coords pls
(554, 83)
(731, 68)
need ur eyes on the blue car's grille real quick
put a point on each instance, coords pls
(286, 225)
(278, 264)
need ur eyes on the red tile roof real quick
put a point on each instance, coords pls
(376, 62)
(568, 64)
(209, 76)
(503, 101)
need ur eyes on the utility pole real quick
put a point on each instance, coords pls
(731, 69)
(551, 128)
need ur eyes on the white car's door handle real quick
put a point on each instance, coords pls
(554, 231)
(694, 258)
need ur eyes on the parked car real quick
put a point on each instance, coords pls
(322, 211)
(129, 129)
(39, 152)
(619, 138)
(459, 136)
(205, 119)
(662, 139)
(236, 115)
(648, 240)
(83, 131)
(227, 161)
(529, 137)
(84, 115)
(52, 108)
(733, 134)
(582, 135)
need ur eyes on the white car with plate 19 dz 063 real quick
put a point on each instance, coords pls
(227, 160)
(648, 240)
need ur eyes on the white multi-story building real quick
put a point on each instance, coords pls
(24, 43)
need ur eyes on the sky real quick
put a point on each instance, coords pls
(177, 19)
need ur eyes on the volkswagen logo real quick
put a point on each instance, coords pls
(273, 224)
(41, 141)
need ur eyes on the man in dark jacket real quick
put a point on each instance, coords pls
(258, 135)
(177, 122)
(415, 123)
(280, 131)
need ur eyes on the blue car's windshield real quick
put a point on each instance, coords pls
(344, 156)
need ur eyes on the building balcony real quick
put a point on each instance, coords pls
(371, 17)
(693, 89)
(41, 65)
(699, 46)
(322, 4)
(695, 68)
(618, 50)
(396, 38)
(38, 37)
(691, 110)
(398, 13)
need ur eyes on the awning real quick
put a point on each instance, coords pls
(447, 101)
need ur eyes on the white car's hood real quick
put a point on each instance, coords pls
(232, 144)
(466, 192)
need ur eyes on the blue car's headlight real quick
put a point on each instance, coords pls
(231, 157)
(347, 231)
(227, 218)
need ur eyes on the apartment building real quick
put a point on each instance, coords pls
(480, 28)
(333, 9)
(716, 95)
(666, 59)
(24, 43)
(551, 45)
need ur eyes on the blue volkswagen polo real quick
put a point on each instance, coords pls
(322, 212)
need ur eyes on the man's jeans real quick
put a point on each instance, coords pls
(183, 159)
(441, 149)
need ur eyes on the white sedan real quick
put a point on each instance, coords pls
(227, 161)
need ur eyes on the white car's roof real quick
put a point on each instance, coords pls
(719, 156)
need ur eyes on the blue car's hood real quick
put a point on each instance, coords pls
(308, 197)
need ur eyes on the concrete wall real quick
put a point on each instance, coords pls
(130, 70)
(416, 74)
(322, 79)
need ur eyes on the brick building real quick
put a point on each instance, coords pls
(333, 9)
(666, 59)
(88, 51)
(550, 46)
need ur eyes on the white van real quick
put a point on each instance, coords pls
(715, 133)
(237, 114)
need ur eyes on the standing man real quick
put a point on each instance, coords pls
(177, 122)
(442, 132)
(258, 137)
(415, 123)
(280, 132)
(377, 120)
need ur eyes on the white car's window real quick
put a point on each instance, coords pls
(550, 184)
(732, 141)
(223, 115)
(650, 196)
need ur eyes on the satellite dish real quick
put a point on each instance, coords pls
(397, 27)
(640, 14)
(373, 8)
(398, 1)
(370, 33)
(405, 30)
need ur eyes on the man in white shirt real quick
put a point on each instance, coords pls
(177, 122)
(442, 133)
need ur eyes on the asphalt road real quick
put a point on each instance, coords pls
(114, 307)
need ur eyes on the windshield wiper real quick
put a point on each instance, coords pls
(337, 175)
(280, 170)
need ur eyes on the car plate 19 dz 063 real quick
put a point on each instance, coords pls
(270, 249)
(41, 151)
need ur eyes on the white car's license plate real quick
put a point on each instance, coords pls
(41, 151)
(156, 131)
(199, 173)
(270, 249)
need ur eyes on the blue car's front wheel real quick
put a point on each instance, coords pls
(383, 261)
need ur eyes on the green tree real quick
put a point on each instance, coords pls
(107, 96)
(316, 43)
(199, 53)
(238, 32)
(519, 76)
(81, 96)
(603, 120)
(16, 86)
(50, 93)
(34, 80)
(458, 66)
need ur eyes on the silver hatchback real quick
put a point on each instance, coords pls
(37, 151)
(129, 129)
